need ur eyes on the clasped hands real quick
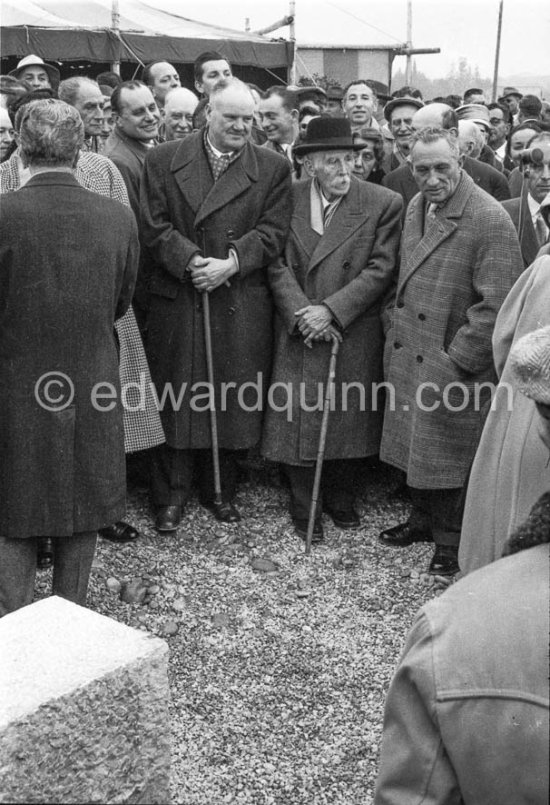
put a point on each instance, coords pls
(315, 324)
(208, 273)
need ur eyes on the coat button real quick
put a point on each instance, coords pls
(422, 317)
(346, 264)
(396, 345)
(419, 358)
(230, 233)
(231, 311)
(400, 305)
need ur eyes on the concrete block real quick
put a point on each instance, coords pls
(83, 709)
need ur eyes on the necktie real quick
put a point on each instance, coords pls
(541, 229)
(219, 164)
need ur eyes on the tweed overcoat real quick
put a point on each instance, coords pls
(452, 282)
(349, 268)
(68, 259)
(184, 213)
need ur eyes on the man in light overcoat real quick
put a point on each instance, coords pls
(337, 266)
(459, 258)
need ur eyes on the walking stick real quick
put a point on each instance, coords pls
(322, 442)
(213, 416)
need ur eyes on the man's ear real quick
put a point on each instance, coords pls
(198, 87)
(309, 167)
(461, 160)
(295, 115)
(208, 112)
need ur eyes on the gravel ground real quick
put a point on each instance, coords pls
(279, 663)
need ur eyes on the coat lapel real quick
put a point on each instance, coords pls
(300, 225)
(192, 171)
(420, 246)
(235, 180)
(346, 221)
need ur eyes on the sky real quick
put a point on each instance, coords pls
(466, 28)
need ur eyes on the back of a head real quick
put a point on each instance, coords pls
(530, 107)
(51, 134)
(435, 115)
(470, 139)
(33, 95)
(108, 79)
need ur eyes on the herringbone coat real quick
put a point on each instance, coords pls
(349, 268)
(452, 282)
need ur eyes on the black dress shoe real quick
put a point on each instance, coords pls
(399, 536)
(343, 518)
(44, 555)
(119, 532)
(168, 518)
(300, 527)
(224, 512)
(444, 561)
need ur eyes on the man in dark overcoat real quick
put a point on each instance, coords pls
(337, 266)
(68, 260)
(459, 258)
(215, 212)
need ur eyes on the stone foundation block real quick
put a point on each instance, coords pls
(83, 709)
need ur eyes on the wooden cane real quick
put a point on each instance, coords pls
(322, 442)
(213, 415)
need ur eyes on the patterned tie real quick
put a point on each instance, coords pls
(541, 229)
(219, 164)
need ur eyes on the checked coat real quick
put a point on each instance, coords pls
(184, 213)
(348, 268)
(455, 273)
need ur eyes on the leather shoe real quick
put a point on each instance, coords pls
(44, 556)
(119, 532)
(343, 518)
(399, 536)
(444, 561)
(300, 526)
(168, 518)
(224, 512)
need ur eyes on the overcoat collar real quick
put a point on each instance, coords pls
(348, 217)
(53, 178)
(194, 178)
(420, 245)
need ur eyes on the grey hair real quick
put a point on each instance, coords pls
(69, 88)
(51, 133)
(468, 132)
(227, 83)
(431, 134)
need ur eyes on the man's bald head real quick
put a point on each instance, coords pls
(435, 115)
(470, 139)
(230, 114)
(179, 106)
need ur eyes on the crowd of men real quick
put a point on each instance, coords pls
(241, 239)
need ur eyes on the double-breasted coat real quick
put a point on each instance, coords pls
(348, 268)
(68, 260)
(184, 213)
(453, 279)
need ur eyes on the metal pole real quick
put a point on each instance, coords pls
(408, 71)
(292, 34)
(115, 27)
(497, 54)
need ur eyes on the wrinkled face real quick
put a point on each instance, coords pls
(212, 73)
(359, 104)
(499, 128)
(333, 170)
(519, 141)
(89, 102)
(278, 122)
(178, 114)
(230, 117)
(108, 118)
(36, 76)
(539, 173)
(436, 170)
(6, 133)
(164, 78)
(401, 125)
(364, 160)
(139, 117)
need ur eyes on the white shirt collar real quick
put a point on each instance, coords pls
(217, 153)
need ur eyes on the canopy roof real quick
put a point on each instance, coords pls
(65, 30)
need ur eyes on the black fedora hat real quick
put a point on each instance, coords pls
(327, 134)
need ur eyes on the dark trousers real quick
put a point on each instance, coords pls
(73, 563)
(336, 487)
(438, 510)
(173, 471)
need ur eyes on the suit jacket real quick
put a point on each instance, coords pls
(472, 683)
(489, 179)
(129, 156)
(68, 259)
(452, 281)
(529, 242)
(184, 213)
(348, 268)
(276, 148)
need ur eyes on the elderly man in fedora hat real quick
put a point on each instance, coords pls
(37, 73)
(338, 263)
